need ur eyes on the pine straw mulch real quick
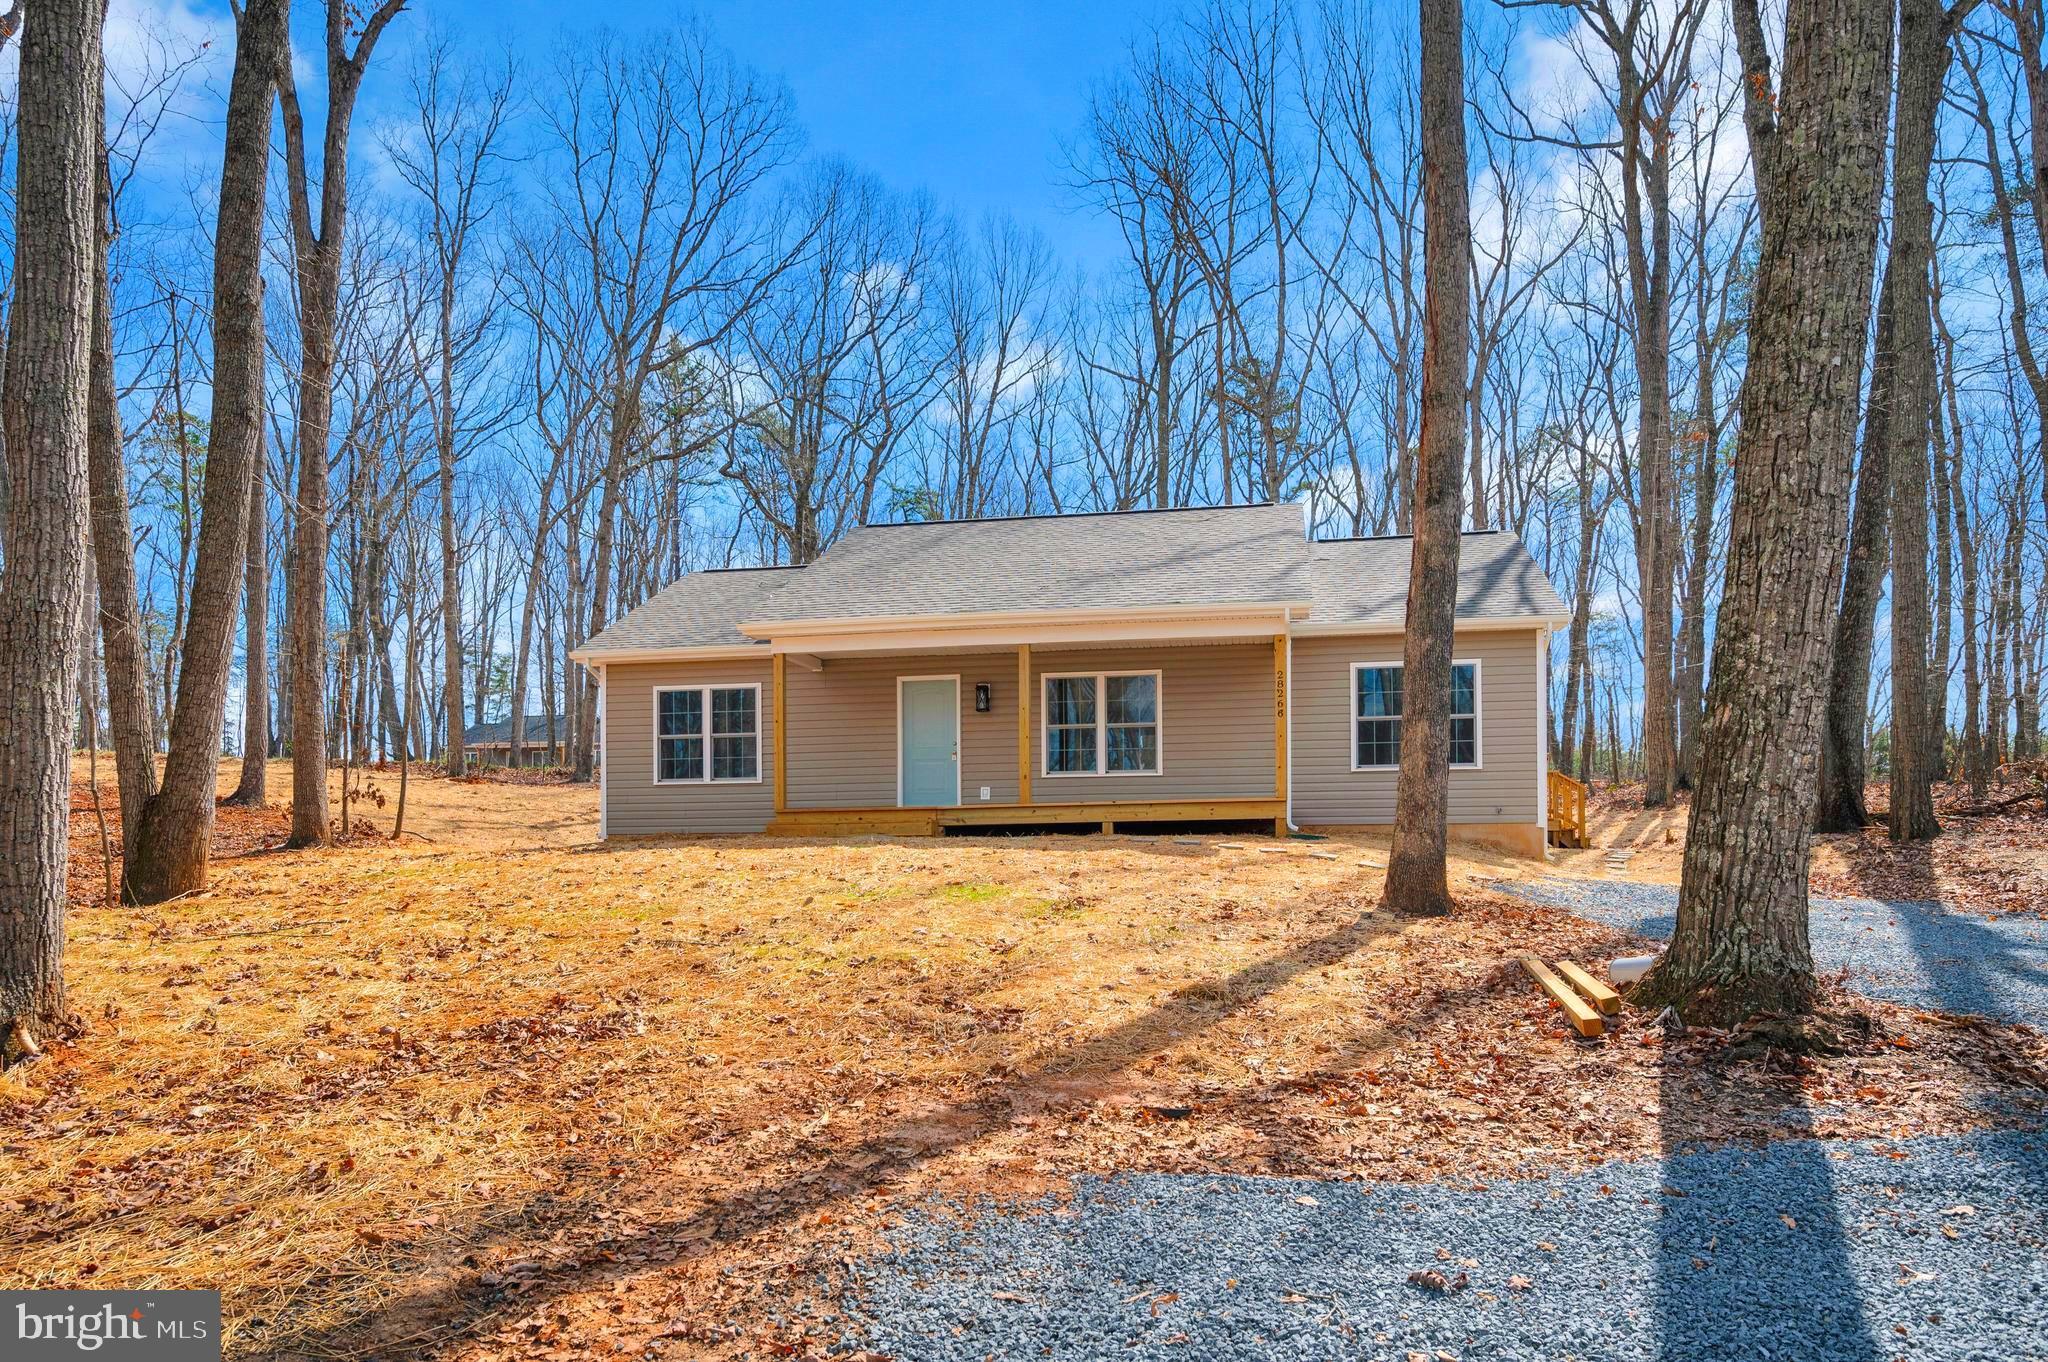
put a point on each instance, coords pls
(237, 831)
(478, 1102)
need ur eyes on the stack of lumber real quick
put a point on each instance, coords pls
(1583, 999)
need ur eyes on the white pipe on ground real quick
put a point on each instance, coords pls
(1628, 969)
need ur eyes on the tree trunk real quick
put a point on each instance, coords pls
(168, 851)
(316, 252)
(451, 563)
(1650, 270)
(1923, 67)
(1741, 942)
(130, 723)
(251, 790)
(42, 585)
(1416, 877)
(1843, 772)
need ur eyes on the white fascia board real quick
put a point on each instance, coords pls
(1016, 619)
(1492, 624)
(1135, 631)
(593, 661)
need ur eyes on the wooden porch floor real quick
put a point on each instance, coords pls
(932, 822)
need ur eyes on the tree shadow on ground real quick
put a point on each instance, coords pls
(1879, 868)
(1722, 1302)
(445, 1306)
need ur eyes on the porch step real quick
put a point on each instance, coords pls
(854, 823)
(890, 822)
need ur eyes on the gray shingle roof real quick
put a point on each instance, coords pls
(1206, 556)
(1365, 581)
(1200, 557)
(702, 610)
(501, 731)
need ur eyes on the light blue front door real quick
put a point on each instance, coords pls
(928, 751)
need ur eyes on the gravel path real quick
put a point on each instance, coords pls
(1919, 954)
(1801, 1250)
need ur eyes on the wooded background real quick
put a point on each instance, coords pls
(599, 319)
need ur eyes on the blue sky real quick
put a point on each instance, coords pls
(970, 102)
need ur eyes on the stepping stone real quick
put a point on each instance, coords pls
(1231, 846)
(1189, 842)
(1324, 856)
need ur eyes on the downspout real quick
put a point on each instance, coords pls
(1543, 738)
(604, 765)
(1289, 621)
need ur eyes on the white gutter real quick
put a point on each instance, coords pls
(597, 658)
(863, 624)
(1487, 624)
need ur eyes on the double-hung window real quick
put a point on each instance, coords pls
(1376, 715)
(707, 733)
(1102, 723)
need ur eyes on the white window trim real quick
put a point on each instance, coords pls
(760, 733)
(1478, 763)
(954, 677)
(1101, 680)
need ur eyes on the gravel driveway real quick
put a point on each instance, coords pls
(1800, 1250)
(1919, 954)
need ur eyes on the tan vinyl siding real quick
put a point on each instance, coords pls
(1216, 723)
(1216, 731)
(1505, 788)
(842, 728)
(634, 804)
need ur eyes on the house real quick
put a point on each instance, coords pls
(1189, 665)
(491, 744)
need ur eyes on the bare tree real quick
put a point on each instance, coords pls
(316, 258)
(450, 156)
(663, 140)
(42, 584)
(1817, 144)
(1925, 30)
(1416, 881)
(167, 848)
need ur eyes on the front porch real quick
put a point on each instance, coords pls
(1218, 751)
(1107, 814)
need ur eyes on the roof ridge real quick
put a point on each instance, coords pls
(758, 567)
(1373, 538)
(1072, 515)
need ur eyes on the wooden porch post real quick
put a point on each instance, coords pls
(1023, 723)
(1280, 730)
(781, 741)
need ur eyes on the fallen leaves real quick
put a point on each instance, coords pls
(1434, 1281)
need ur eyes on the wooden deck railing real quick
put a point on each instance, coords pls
(1567, 811)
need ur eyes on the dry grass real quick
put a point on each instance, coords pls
(499, 1093)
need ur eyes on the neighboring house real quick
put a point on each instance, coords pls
(1122, 668)
(491, 744)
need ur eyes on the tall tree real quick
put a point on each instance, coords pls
(1415, 870)
(1817, 142)
(1924, 32)
(1843, 770)
(167, 851)
(450, 158)
(316, 257)
(253, 787)
(42, 584)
